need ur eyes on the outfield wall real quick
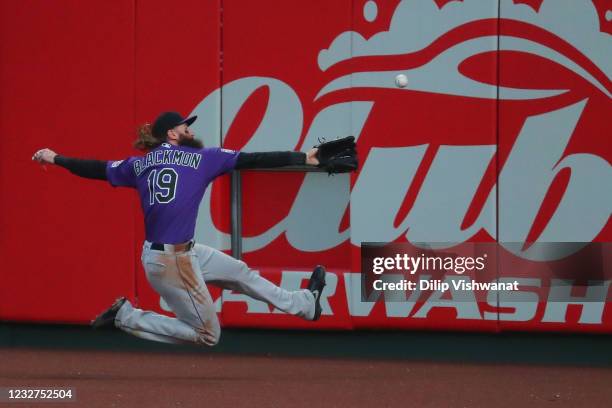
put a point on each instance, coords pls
(502, 135)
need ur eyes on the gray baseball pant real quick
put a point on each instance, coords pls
(180, 279)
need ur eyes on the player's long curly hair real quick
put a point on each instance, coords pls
(146, 141)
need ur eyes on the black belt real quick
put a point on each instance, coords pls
(173, 247)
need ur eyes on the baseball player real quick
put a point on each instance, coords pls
(171, 179)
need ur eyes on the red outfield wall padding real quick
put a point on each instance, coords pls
(67, 84)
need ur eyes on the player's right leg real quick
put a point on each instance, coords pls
(177, 279)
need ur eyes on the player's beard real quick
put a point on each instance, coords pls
(190, 142)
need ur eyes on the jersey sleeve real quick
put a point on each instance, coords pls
(121, 173)
(224, 159)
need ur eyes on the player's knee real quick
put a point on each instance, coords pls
(216, 336)
(209, 335)
(212, 341)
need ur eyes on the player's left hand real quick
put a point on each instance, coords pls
(44, 156)
(311, 157)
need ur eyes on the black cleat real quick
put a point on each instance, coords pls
(106, 319)
(316, 285)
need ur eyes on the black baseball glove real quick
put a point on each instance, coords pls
(338, 156)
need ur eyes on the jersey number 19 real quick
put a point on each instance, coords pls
(162, 185)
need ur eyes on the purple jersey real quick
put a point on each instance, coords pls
(171, 181)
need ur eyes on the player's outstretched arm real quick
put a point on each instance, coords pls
(276, 159)
(92, 169)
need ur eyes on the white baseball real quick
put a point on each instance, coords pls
(401, 81)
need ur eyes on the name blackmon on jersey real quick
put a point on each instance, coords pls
(177, 157)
